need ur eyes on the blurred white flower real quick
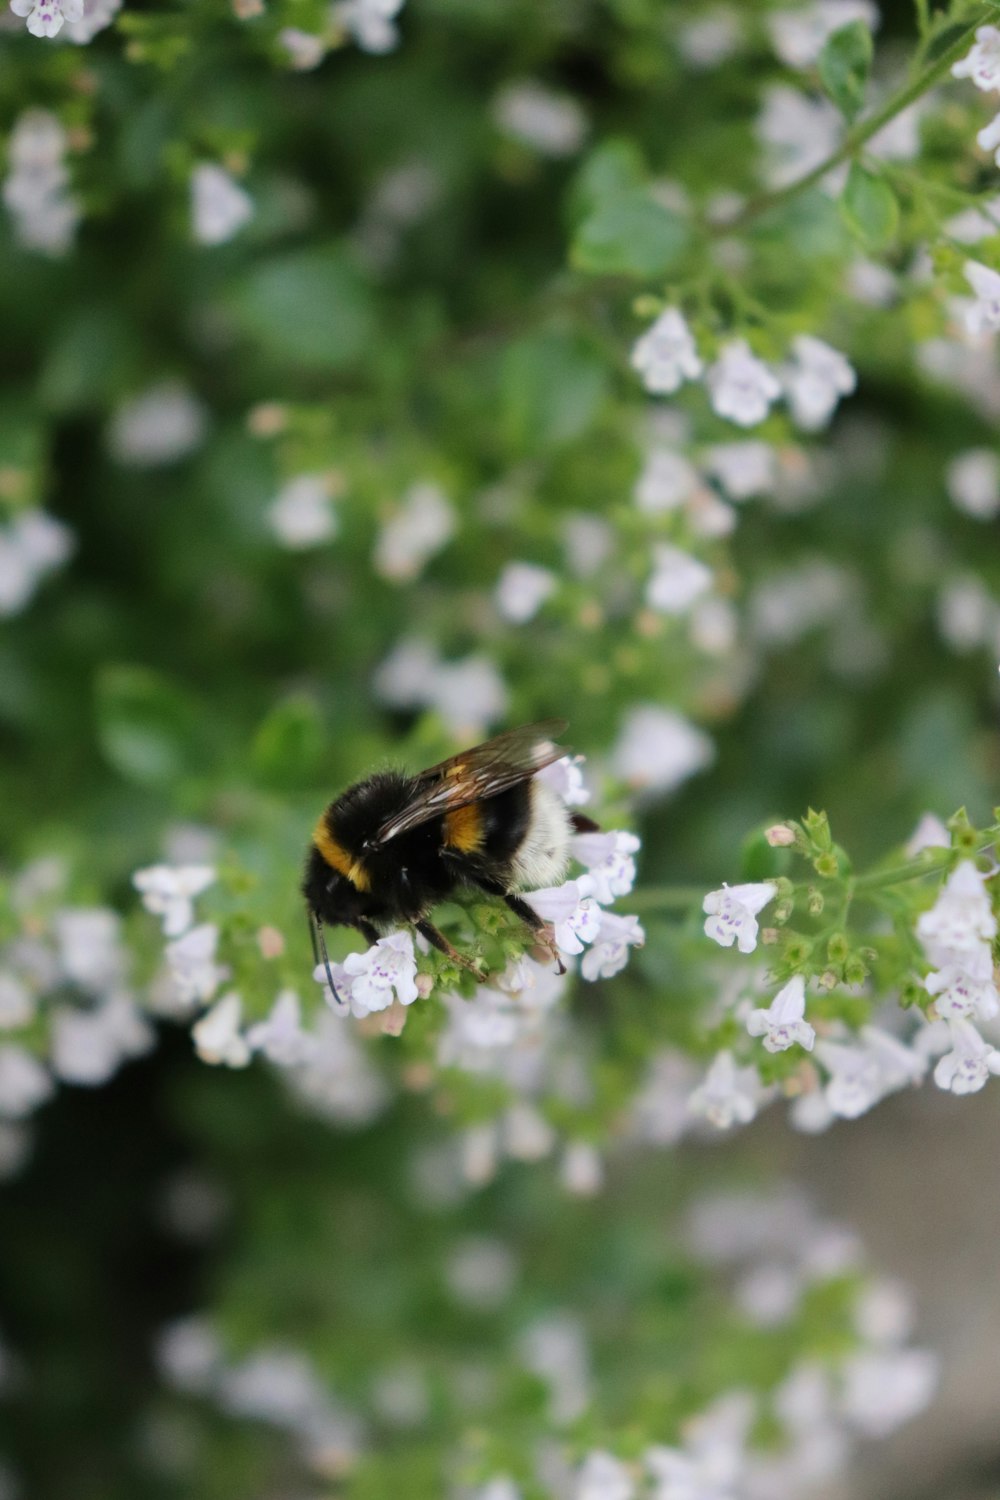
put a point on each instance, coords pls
(370, 22)
(17, 1005)
(522, 589)
(219, 206)
(468, 694)
(863, 1072)
(423, 523)
(304, 49)
(799, 36)
(35, 190)
(480, 1272)
(46, 17)
(161, 426)
(24, 1083)
(782, 1024)
(741, 387)
(665, 356)
(555, 1349)
(798, 131)
(168, 892)
(666, 481)
(601, 1476)
(527, 1134)
(815, 380)
(973, 482)
(657, 749)
(97, 16)
(982, 315)
(90, 947)
(729, 1095)
(337, 1079)
(961, 918)
(743, 469)
(88, 1046)
(566, 780)
(217, 1036)
(302, 514)
(553, 124)
(194, 974)
(581, 1170)
(706, 41)
(981, 64)
(589, 542)
(189, 1354)
(281, 1036)
(884, 1389)
(31, 546)
(930, 833)
(677, 581)
(732, 913)
(966, 1068)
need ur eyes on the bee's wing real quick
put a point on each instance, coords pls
(478, 773)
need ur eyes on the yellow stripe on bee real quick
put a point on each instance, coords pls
(338, 858)
(463, 828)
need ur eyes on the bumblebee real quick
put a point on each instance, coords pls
(389, 848)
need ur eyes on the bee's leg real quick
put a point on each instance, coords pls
(367, 931)
(582, 824)
(440, 942)
(528, 916)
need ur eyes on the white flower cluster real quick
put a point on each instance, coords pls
(741, 387)
(417, 529)
(957, 935)
(32, 545)
(36, 188)
(468, 694)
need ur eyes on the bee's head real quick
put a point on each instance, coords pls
(329, 894)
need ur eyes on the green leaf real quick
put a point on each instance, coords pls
(144, 724)
(551, 385)
(616, 166)
(288, 746)
(629, 234)
(311, 307)
(869, 206)
(844, 64)
(943, 40)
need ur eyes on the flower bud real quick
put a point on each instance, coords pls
(780, 836)
(828, 980)
(838, 948)
(826, 866)
(769, 935)
(270, 942)
(855, 971)
(814, 901)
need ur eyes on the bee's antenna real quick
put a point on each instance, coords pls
(320, 953)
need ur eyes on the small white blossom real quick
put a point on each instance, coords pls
(581, 1171)
(17, 1007)
(961, 918)
(729, 1095)
(97, 15)
(566, 780)
(609, 951)
(168, 892)
(815, 381)
(88, 1046)
(678, 580)
(90, 947)
(884, 1389)
(743, 469)
(973, 482)
(732, 913)
(46, 17)
(421, 526)
(194, 974)
(480, 1272)
(552, 124)
(370, 22)
(966, 988)
(219, 206)
(983, 315)
(281, 1037)
(966, 1068)
(24, 1083)
(930, 833)
(799, 132)
(217, 1036)
(658, 749)
(337, 1080)
(554, 1348)
(302, 514)
(863, 1073)
(601, 1476)
(608, 857)
(741, 387)
(666, 482)
(305, 50)
(160, 426)
(572, 910)
(982, 63)
(31, 546)
(370, 980)
(527, 1134)
(782, 1024)
(35, 192)
(705, 41)
(522, 590)
(665, 356)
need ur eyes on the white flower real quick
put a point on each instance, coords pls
(370, 22)
(982, 63)
(522, 590)
(97, 15)
(189, 1354)
(741, 387)
(815, 381)
(30, 547)
(305, 50)
(281, 1037)
(194, 974)
(480, 1272)
(732, 913)
(665, 356)
(601, 1476)
(337, 1080)
(528, 1136)
(167, 892)
(798, 36)
(17, 1006)
(477, 1029)
(421, 526)
(728, 1095)
(581, 1171)
(89, 1045)
(35, 191)
(884, 1389)
(46, 17)
(966, 1068)
(217, 1036)
(608, 954)
(799, 133)
(973, 482)
(930, 833)
(983, 315)
(678, 580)
(572, 910)
(863, 1074)
(161, 426)
(554, 1348)
(302, 515)
(782, 1024)
(608, 857)
(371, 978)
(24, 1083)
(566, 780)
(657, 749)
(219, 206)
(960, 919)
(743, 469)
(966, 988)
(705, 41)
(553, 124)
(589, 542)
(667, 480)
(90, 948)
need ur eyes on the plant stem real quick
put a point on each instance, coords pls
(913, 869)
(862, 132)
(667, 897)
